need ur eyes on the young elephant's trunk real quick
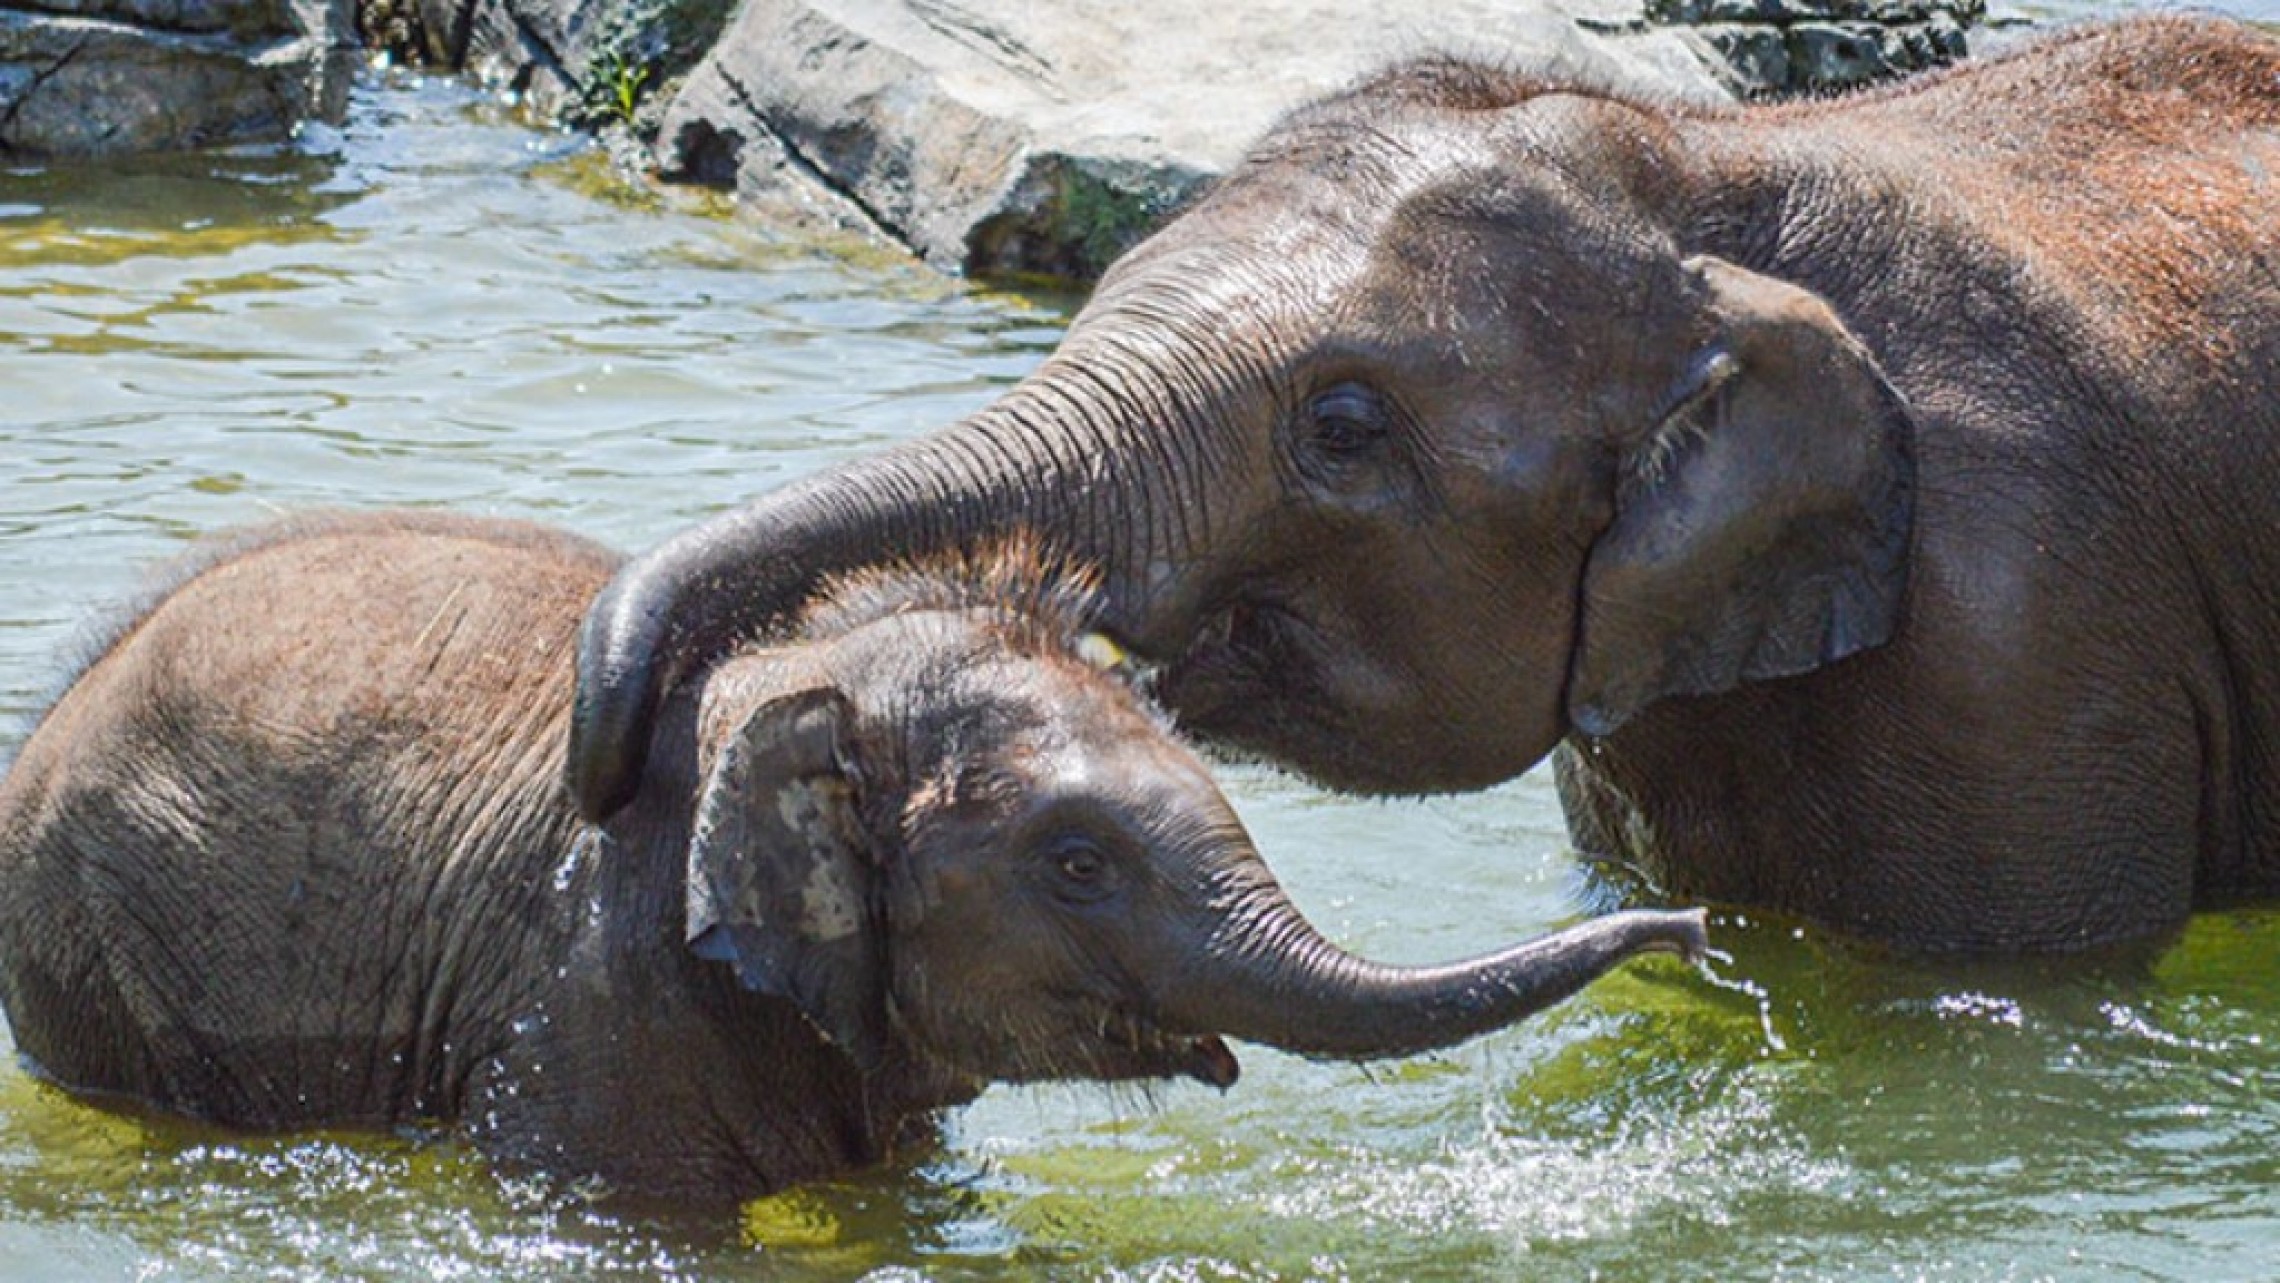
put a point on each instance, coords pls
(1288, 987)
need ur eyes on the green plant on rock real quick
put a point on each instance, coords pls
(614, 85)
(1101, 220)
(639, 50)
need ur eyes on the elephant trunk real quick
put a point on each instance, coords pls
(690, 600)
(1287, 987)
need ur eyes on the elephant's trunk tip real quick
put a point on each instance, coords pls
(1685, 932)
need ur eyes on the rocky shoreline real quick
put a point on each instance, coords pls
(100, 77)
(987, 136)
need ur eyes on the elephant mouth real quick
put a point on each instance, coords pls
(1211, 1063)
(1132, 1046)
(1091, 1040)
(1262, 680)
(1238, 652)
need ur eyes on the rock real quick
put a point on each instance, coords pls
(101, 77)
(590, 62)
(1813, 46)
(174, 15)
(1758, 52)
(1003, 136)
(1844, 53)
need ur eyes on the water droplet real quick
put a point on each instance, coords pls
(590, 841)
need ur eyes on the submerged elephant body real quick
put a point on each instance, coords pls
(293, 851)
(1871, 500)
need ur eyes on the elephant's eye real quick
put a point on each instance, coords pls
(1081, 870)
(1349, 419)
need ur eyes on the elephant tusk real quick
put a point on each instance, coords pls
(1097, 650)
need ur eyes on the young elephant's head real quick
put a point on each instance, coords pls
(955, 834)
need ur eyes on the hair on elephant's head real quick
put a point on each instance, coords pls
(945, 827)
(1433, 434)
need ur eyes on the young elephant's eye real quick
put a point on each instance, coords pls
(1081, 870)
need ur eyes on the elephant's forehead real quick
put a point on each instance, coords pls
(1050, 709)
(1146, 770)
(1082, 727)
(1294, 218)
(1327, 260)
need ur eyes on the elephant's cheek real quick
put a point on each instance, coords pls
(1421, 735)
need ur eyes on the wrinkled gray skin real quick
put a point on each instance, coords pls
(295, 850)
(1876, 497)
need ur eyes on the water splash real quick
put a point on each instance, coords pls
(1973, 1005)
(1758, 994)
(1527, 1191)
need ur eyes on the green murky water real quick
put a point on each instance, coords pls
(436, 306)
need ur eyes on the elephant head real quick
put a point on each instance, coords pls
(1430, 436)
(944, 833)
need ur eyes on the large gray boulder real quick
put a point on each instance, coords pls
(1010, 136)
(101, 77)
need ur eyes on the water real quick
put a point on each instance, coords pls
(436, 306)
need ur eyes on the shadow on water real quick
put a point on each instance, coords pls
(241, 198)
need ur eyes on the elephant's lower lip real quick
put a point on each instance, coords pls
(1209, 1061)
(1231, 652)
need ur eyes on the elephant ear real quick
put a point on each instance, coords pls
(1762, 530)
(780, 880)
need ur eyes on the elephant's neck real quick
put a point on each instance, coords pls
(1762, 203)
(650, 1067)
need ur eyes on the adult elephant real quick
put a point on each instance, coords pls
(1875, 497)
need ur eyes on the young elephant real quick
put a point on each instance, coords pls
(293, 851)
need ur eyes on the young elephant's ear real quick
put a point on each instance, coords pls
(1762, 530)
(780, 879)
